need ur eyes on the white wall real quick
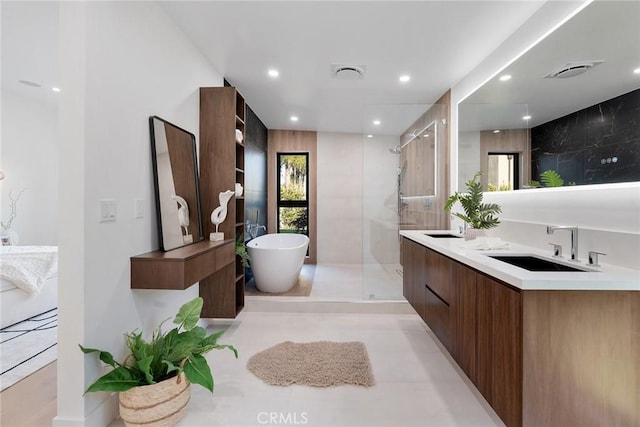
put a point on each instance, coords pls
(608, 215)
(29, 161)
(468, 155)
(340, 200)
(120, 63)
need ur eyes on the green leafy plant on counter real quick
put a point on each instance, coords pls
(241, 250)
(166, 355)
(477, 214)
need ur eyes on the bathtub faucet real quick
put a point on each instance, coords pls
(253, 229)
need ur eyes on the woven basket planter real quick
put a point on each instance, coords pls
(156, 405)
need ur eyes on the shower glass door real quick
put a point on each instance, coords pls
(382, 273)
(381, 269)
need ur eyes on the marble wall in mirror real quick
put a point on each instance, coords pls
(177, 190)
(583, 123)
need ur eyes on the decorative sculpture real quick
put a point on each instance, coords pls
(183, 217)
(219, 214)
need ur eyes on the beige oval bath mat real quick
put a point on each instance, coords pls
(318, 364)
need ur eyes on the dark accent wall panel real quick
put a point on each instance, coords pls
(255, 163)
(599, 144)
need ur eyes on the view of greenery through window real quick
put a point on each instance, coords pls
(292, 204)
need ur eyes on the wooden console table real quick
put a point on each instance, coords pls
(182, 267)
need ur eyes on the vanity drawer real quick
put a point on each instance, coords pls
(437, 316)
(225, 255)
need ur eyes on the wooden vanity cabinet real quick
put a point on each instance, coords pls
(463, 280)
(413, 281)
(427, 287)
(539, 357)
(438, 293)
(477, 319)
(488, 339)
(499, 347)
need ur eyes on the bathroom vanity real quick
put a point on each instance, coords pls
(545, 348)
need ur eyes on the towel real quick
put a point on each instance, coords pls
(27, 267)
(239, 136)
(485, 243)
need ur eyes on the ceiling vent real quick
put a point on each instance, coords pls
(572, 69)
(348, 72)
(29, 83)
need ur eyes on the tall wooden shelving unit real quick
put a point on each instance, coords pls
(222, 111)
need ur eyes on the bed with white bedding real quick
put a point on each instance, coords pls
(28, 282)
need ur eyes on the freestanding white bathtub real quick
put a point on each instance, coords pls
(276, 260)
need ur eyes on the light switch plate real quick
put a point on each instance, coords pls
(139, 208)
(108, 210)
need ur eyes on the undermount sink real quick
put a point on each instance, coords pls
(533, 263)
(443, 236)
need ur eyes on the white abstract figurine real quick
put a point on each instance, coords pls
(219, 214)
(183, 217)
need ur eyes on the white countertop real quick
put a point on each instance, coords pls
(605, 278)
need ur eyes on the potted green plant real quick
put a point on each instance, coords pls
(154, 380)
(477, 215)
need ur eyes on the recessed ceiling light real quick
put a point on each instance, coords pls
(496, 131)
(377, 122)
(294, 118)
(526, 117)
(273, 73)
(55, 89)
(369, 136)
(636, 71)
(404, 78)
(505, 77)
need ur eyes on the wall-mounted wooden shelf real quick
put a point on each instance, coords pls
(182, 267)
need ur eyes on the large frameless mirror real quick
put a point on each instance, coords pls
(175, 175)
(566, 111)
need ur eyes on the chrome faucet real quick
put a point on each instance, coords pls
(574, 238)
(253, 229)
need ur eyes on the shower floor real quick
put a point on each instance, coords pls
(354, 281)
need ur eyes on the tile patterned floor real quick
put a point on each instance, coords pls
(417, 384)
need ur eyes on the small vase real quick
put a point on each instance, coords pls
(9, 237)
(473, 233)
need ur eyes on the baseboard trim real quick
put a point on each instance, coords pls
(103, 415)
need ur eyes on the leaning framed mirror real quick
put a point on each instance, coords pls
(177, 191)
